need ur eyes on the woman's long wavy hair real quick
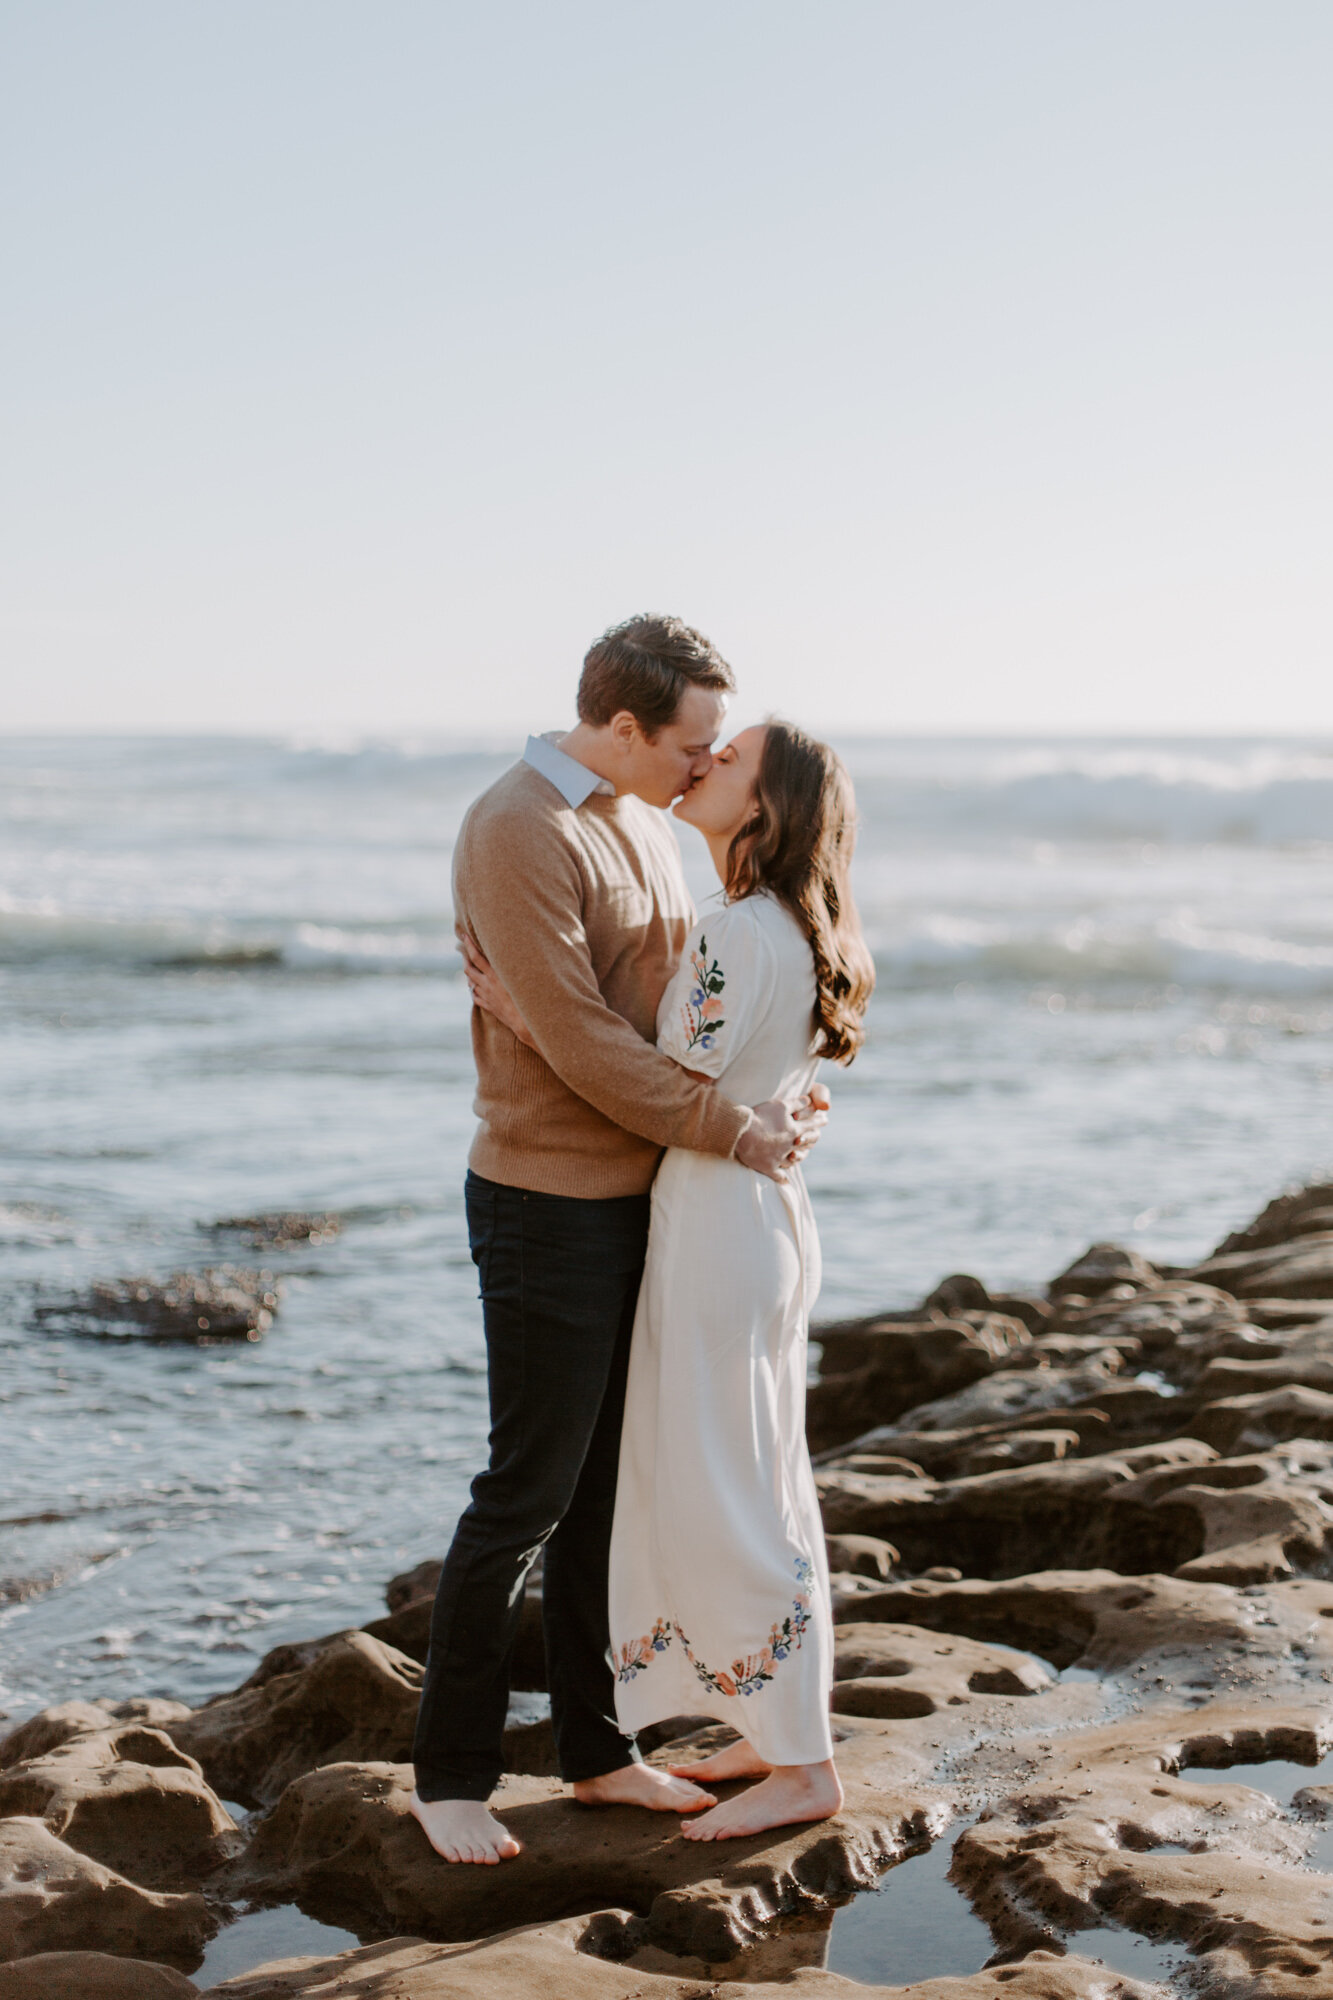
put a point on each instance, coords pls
(798, 845)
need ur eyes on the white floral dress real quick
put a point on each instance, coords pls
(719, 1585)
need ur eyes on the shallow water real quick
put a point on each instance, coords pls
(227, 986)
(258, 1936)
(1282, 1779)
(915, 1925)
(919, 1925)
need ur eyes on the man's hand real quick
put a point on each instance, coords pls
(781, 1133)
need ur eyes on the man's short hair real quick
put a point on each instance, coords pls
(645, 665)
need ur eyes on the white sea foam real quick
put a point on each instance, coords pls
(1206, 864)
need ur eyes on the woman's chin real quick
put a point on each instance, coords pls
(681, 809)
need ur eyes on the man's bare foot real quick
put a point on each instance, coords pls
(788, 1795)
(642, 1785)
(738, 1760)
(464, 1830)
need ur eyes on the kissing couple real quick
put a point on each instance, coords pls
(647, 1255)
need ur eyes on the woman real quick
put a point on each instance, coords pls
(719, 1594)
(719, 1583)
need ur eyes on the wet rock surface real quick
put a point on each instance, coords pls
(557, 1960)
(51, 1895)
(1082, 1570)
(129, 1798)
(353, 1698)
(91, 1975)
(201, 1307)
(278, 1230)
(343, 1839)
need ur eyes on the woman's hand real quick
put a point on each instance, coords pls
(487, 992)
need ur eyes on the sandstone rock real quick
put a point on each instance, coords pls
(962, 1294)
(51, 1727)
(1013, 1392)
(874, 1370)
(1103, 1268)
(943, 1454)
(126, 1797)
(407, 1628)
(880, 1462)
(860, 1555)
(91, 1975)
(279, 1230)
(1257, 1422)
(52, 1897)
(341, 1841)
(1107, 1810)
(413, 1584)
(1005, 1523)
(203, 1306)
(1290, 1216)
(1299, 1270)
(1182, 1325)
(356, 1699)
(1202, 1633)
(48, 1729)
(1292, 1356)
(1069, 1350)
(1282, 1315)
(1257, 1518)
(543, 1960)
(898, 1670)
(151, 1710)
(556, 1961)
(1028, 1447)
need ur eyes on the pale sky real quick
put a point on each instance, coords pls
(956, 365)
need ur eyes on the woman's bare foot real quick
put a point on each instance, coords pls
(788, 1795)
(738, 1760)
(642, 1785)
(464, 1830)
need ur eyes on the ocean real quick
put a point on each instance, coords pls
(228, 986)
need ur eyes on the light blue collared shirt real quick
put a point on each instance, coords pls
(574, 781)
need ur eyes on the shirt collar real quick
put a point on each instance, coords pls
(574, 781)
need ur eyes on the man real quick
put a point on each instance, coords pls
(570, 886)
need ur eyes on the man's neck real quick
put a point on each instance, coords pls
(589, 747)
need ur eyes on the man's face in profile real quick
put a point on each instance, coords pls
(663, 767)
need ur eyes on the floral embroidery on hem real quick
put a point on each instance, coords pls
(637, 1654)
(749, 1674)
(702, 1013)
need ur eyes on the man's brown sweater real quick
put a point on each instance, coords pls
(583, 913)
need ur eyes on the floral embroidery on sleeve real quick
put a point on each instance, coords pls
(703, 1010)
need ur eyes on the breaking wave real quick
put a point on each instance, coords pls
(1203, 864)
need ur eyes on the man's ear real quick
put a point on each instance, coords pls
(625, 730)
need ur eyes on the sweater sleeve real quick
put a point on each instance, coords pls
(528, 921)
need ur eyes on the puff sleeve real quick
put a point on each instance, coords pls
(721, 992)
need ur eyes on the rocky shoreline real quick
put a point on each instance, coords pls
(1083, 1555)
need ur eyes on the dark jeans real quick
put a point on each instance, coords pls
(559, 1281)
